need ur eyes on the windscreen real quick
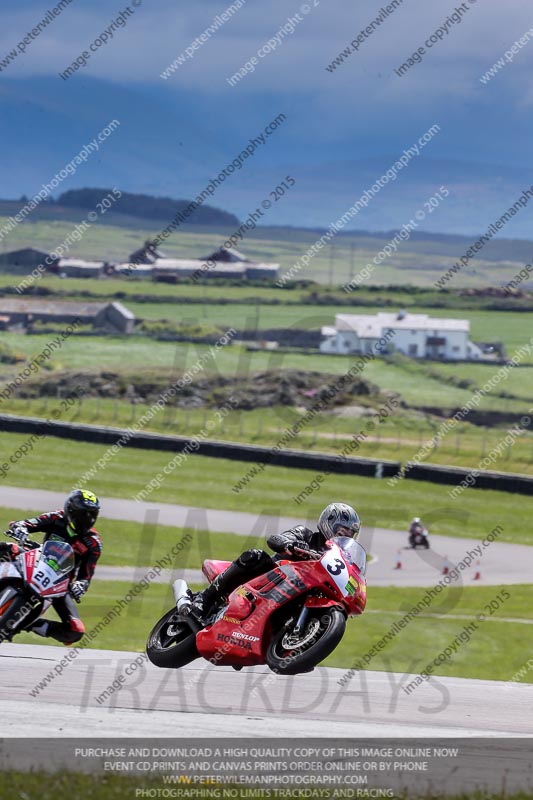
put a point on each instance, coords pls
(59, 556)
(352, 551)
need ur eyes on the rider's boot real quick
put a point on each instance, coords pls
(222, 585)
(249, 565)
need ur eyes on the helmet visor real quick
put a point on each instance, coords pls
(82, 520)
(347, 530)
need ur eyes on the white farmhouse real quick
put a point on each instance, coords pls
(414, 335)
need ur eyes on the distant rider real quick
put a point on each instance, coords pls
(74, 525)
(300, 542)
(416, 527)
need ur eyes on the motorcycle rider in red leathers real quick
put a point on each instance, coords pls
(73, 524)
(300, 542)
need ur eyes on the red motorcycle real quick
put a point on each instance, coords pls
(291, 618)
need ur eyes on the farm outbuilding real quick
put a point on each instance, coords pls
(25, 260)
(226, 262)
(110, 317)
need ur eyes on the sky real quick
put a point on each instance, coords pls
(359, 111)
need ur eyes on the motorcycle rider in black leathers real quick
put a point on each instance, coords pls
(415, 528)
(300, 542)
(73, 524)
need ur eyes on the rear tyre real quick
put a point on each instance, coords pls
(289, 654)
(172, 643)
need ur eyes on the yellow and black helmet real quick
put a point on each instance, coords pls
(81, 511)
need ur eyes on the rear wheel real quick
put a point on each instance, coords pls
(290, 653)
(172, 642)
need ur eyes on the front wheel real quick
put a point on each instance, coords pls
(12, 608)
(172, 643)
(289, 653)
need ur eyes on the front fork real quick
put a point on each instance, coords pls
(301, 620)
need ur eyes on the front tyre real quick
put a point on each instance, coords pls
(172, 643)
(12, 604)
(289, 653)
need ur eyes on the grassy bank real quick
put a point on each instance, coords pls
(397, 438)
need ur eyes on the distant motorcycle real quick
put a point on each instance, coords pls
(419, 537)
(29, 583)
(291, 618)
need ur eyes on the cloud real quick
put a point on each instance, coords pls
(362, 105)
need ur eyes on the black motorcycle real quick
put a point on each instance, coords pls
(419, 538)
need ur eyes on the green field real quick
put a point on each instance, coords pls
(431, 388)
(419, 384)
(510, 327)
(420, 262)
(207, 482)
(442, 387)
(305, 293)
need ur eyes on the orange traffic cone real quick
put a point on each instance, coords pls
(446, 568)
(477, 576)
(398, 560)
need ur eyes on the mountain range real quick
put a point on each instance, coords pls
(169, 145)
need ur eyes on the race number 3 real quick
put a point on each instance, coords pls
(337, 568)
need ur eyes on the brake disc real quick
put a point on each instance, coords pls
(298, 642)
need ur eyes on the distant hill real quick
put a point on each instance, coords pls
(158, 210)
(147, 207)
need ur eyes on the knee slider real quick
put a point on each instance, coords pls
(77, 626)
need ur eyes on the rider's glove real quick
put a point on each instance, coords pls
(78, 589)
(302, 550)
(294, 547)
(19, 532)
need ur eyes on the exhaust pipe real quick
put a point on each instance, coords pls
(181, 595)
